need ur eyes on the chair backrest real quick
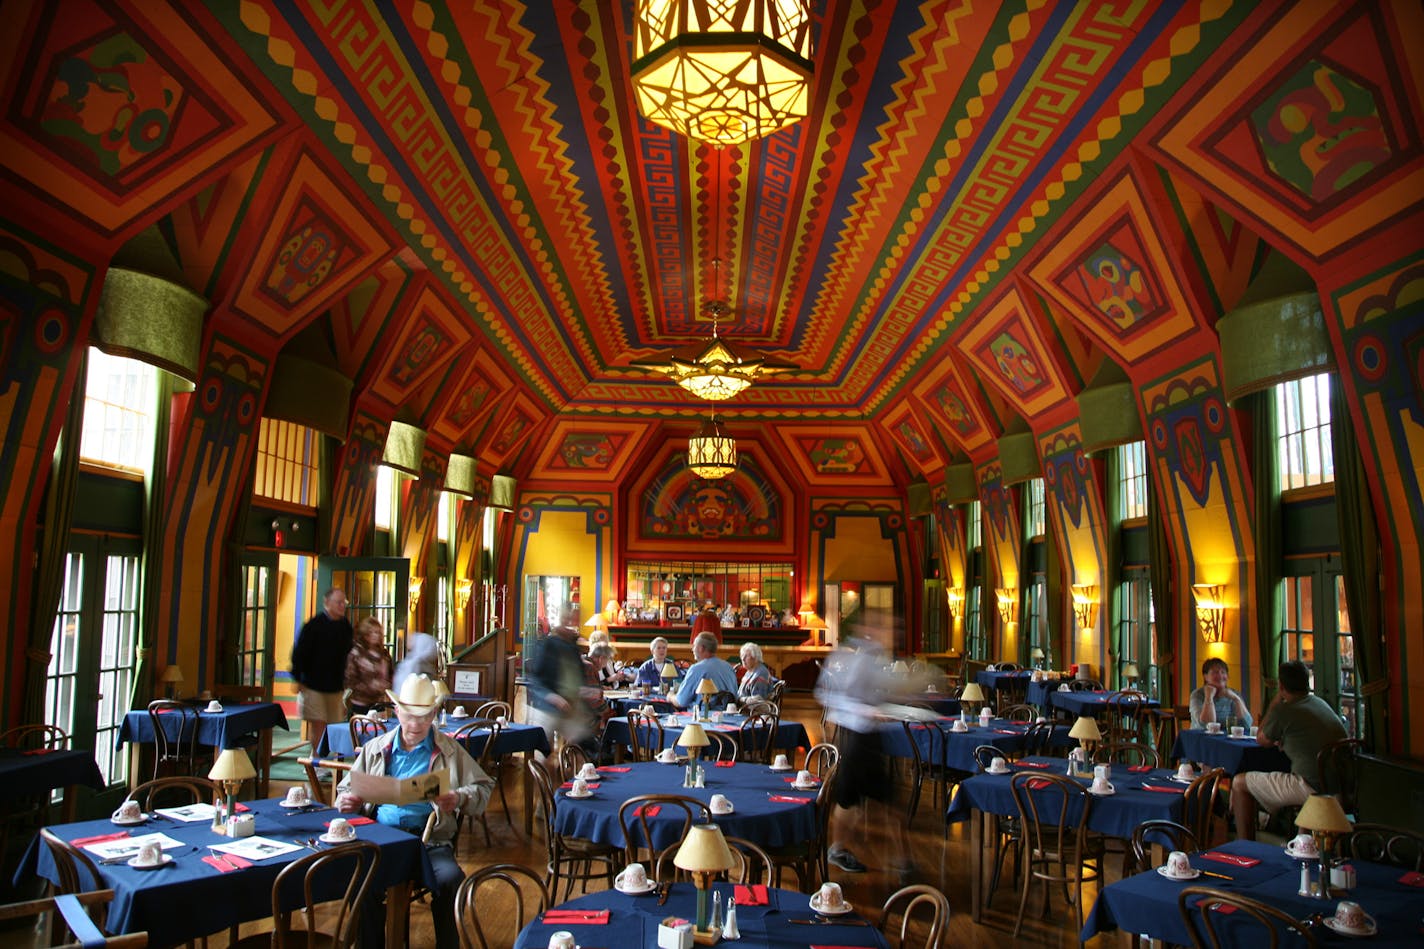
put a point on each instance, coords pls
(1008, 667)
(572, 758)
(308, 882)
(919, 900)
(486, 728)
(1199, 805)
(1339, 772)
(1124, 715)
(758, 737)
(494, 708)
(720, 747)
(1084, 685)
(778, 689)
(722, 699)
(1047, 804)
(1038, 740)
(645, 735)
(92, 905)
(76, 871)
(525, 892)
(820, 757)
(1021, 713)
(756, 705)
(174, 792)
(1128, 753)
(543, 784)
(175, 735)
(32, 737)
(1201, 904)
(984, 756)
(912, 732)
(325, 792)
(1380, 843)
(1172, 835)
(753, 864)
(364, 729)
(636, 825)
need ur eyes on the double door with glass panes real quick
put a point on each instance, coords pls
(1316, 631)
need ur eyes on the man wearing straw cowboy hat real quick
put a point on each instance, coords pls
(412, 749)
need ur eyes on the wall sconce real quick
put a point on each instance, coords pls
(463, 586)
(414, 587)
(1210, 610)
(1085, 605)
(956, 603)
(1008, 604)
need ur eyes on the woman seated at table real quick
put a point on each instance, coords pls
(368, 667)
(412, 749)
(651, 671)
(608, 677)
(1215, 701)
(756, 677)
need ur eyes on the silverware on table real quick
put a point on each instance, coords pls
(828, 922)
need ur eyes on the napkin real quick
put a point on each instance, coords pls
(566, 917)
(614, 769)
(569, 784)
(1139, 767)
(1413, 878)
(725, 764)
(1037, 783)
(749, 895)
(39, 751)
(1166, 790)
(1007, 731)
(101, 838)
(788, 799)
(648, 810)
(1230, 858)
(227, 862)
(1032, 764)
(792, 780)
(357, 821)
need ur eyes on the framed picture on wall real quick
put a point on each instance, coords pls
(756, 614)
(674, 613)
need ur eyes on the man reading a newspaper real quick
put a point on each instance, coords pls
(414, 749)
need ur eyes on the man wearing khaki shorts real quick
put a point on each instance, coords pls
(319, 664)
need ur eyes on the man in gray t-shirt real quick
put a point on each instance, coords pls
(1300, 724)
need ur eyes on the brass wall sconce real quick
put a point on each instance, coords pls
(1210, 610)
(1085, 605)
(463, 586)
(956, 603)
(1008, 604)
(414, 587)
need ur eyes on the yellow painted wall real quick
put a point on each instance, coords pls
(562, 546)
(858, 552)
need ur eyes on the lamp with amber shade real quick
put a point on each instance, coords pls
(231, 769)
(1036, 654)
(1325, 819)
(1085, 729)
(703, 854)
(172, 677)
(705, 690)
(971, 694)
(1129, 673)
(694, 739)
(668, 675)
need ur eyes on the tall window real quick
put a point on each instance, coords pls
(1037, 616)
(1137, 633)
(119, 400)
(286, 462)
(386, 482)
(1304, 455)
(976, 645)
(1033, 509)
(1132, 480)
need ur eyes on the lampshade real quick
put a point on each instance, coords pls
(1129, 670)
(669, 671)
(232, 765)
(711, 454)
(1086, 729)
(172, 674)
(1323, 813)
(460, 475)
(972, 693)
(404, 445)
(596, 621)
(707, 687)
(693, 737)
(1036, 652)
(704, 849)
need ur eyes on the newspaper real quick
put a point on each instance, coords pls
(380, 789)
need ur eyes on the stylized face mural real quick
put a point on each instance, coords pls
(954, 409)
(1117, 286)
(837, 456)
(1016, 364)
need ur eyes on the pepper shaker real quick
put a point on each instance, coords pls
(716, 910)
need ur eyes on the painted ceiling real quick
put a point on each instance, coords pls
(986, 202)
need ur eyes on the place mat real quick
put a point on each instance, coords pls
(565, 917)
(749, 895)
(788, 799)
(356, 821)
(1230, 858)
(227, 863)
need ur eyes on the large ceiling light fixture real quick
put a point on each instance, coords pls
(722, 71)
(710, 454)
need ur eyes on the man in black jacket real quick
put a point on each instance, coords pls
(319, 664)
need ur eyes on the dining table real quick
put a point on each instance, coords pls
(218, 730)
(623, 701)
(1001, 733)
(36, 771)
(766, 808)
(190, 897)
(1089, 703)
(1138, 795)
(1233, 755)
(994, 679)
(1146, 903)
(766, 917)
(789, 735)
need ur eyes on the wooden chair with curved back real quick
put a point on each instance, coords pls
(910, 903)
(570, 858)
(491, 730)
(34, 737)
(1021, 714)
(572, 758)
(810, 859)
(1201, 903)
(645, 735)
(364, 729)
(720, 747)
(175, 737)
(1380, 843)
(721, 700)
(753, 864)
(757, 737)
(821, 757)
(525, 898)
(635, 822)
(1127, 753)
(1169, 834)
(1057, 847)
(494, 708)
(778, 691)
(61, 912)
(25, 812)
(306, 884)
(1199, 812)
(1084, 685)
(1038, 740)
(1123, 718)
(1338, 768)
(173, 792)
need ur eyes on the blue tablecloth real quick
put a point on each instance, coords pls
(1114, 815)
(23, 774)
(623, 704)
(1040, 694)
(991, 680)
(516, 736)
(1233, 754)
(789, 735)
(1147, 903)
(1089, 703)
(217, 729)
(749, 787)
(941, 704)
(960, 745)
(633, 921)
(190, 898)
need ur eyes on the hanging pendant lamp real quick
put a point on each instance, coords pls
(711, 454)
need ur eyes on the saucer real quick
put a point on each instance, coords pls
(727, 810)
(286, 803)
(127, 821)
(667, 761)
(167, 858)
(805, 787)
(648, 887)
(1108, 793)
(1301, 854)
(453, 715)
(576, 796)
(1369, 928)
(1192, 875)
(844, 908)
(212, 711)
(327, 838)
(787, 768)
(1004, 771)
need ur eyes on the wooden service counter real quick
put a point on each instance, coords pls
(781, 648)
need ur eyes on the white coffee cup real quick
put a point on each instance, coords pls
(149, 854)
(782, 763)
(1343, 877)
(1213, 728)
(667, 754)
(1178, 865)
(632, 877)
(1253, 730)
(719, 804)
(297, 796)
(1238, 731)
(129, 810)
(1302, 845)
(829, 896)
(214, 706)
(1102, 772)
(1349, 915)
(805, 779)
(732, 709)
(580, 787)
(1101, 786)
(998, 764)
(459, 712)
(589, 772)
(561, 940)
(341, 828)
(1185, 772)
(959, 726)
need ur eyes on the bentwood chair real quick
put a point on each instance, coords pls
(1380, 843)
(720, 747)
(757, 738)
(570, 858)
(25, 812)
(1199, 805)
(511, 892)
(486, 760)
(1021, 714)
(323, 787)
(645, 735)
(753, 864)
(1038, 740)
(60, 913)
(175, 744)
(634, 817)
(1338, 767)
(1203, 903)
(1169, 834)
(364, 729)
(1124, 716)
(33, 737)
(1008, 833)
(821, 757)
(173, 792)
(308, 883)
(910, 904)
(810, 859)
(494, 708)
(1058, 847)
(1131, 753)
(572, 758)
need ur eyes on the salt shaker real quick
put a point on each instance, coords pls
(1305, 884)
(730, 930)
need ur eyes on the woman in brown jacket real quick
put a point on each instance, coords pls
(368, 667)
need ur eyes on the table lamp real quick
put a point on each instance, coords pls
(972, 693)
(1129, 673)
(694, 739)
(1325, 819)
(669, 674)
(900, 669)
(703, 854)
(172, 676)
(705, 690)
(1085, 729)
(1036, 654)
(231, 769)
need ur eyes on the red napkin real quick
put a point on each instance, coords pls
(1032, 764)
(788, 799)
(1412, 878)
(567, 917)
(749, 895)
(568, 784)
(356, 821)
(1166, 790)
(240, 808)
(1139, 767)
(725, 764)
(1037, 783)
(792, 780)
(1230, 858)
(239, 862)
(1007, 731)
(99, 839)
(648, 810)
(220, 864)
(612, 769)
(39, 751)
(1223, 908)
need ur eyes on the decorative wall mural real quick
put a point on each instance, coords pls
(1185, 422)
(432, 334)
(420, 351)
(312, 250)
(835, 456)
(1065, 476)
(911, 437)
(1006, 344)
(679, 505)
(1116, 282)
(587, 450)
(849, 457)
(954, 406)
(468, 395)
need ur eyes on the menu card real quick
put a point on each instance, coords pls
(130, 846)
(256, 848)
(380, 789)
(190, 813)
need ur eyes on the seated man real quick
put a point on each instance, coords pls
(651, 671)
(705, 666)
(416, 748)
(1216, 701)
(1301, 724)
